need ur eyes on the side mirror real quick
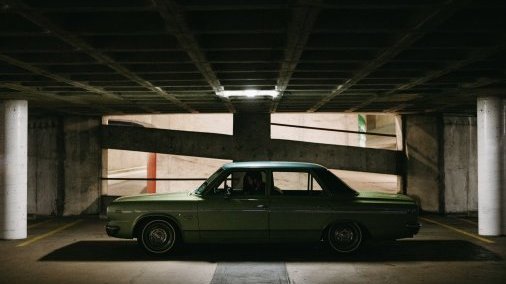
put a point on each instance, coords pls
(228, 193)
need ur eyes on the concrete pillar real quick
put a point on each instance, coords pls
(399, 136)
(252, 134)
(490, 115)
(503, 143)
(13, 169)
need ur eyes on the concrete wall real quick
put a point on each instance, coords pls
(422, 160)
(460, 163)
(44, 159)
(64, 157)
(442, 162)
(252, 134)
(220, 146)
(120, 160)
(322, 120)
(174, 166)
(381, 124)
(82, 165)
(67, 182)
(210, 123)
(249, 132)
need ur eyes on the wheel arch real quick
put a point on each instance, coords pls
(144, 219)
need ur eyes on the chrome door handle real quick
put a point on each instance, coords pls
(261, 206)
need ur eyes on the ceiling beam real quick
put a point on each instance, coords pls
(19, 7)
(63, 79)
(176, 24)
(474, 57)
(467, 90)
(397, 108)
(37, 94)
(58, 78)
(244, 6)
(304, 15)
(428, 22)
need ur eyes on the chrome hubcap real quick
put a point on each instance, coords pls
(158, 237)
(344, 235)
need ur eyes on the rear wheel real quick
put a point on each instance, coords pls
(344, 237)
(158, 237)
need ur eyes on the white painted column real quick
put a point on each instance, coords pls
(489, 112)
(399, 136)
(13, 169)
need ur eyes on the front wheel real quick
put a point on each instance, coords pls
(344, 237)
(158, 237)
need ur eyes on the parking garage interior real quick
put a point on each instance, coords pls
(100, 99)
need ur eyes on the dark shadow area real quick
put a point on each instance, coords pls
(412, 250)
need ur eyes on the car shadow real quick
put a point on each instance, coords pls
(409, 250)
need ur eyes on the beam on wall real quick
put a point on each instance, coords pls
(220, 146)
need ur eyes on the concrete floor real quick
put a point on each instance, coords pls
(82, 253)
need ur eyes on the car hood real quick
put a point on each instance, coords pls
(176, 196)
(380, 196)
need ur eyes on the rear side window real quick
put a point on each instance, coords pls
(295, 183)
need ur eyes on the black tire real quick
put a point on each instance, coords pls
(344, 237)
(158, 237)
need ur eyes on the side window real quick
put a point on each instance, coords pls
(295, 183)
(240, 183)
(315, 185)
(290, 181)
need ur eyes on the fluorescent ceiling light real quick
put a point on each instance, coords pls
(249, 93)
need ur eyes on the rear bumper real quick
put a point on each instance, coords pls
(413, 228)
(112, 230)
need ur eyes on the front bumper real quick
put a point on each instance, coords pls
(413, 228)
(112, 230)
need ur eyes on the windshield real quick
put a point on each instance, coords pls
(203, 186)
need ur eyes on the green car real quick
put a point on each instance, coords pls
(264, 202)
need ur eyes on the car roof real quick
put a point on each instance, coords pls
(272, 165)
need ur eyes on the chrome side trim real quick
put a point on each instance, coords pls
(306, 211)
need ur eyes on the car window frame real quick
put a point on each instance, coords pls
(217, 181)
(311, 174)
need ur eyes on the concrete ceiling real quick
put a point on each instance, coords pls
(132, 56)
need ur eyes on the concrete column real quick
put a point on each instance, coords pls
(252, 134)
(13, 169)
(399, 135)
(503, 143)
(490, 112)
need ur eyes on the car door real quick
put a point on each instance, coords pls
(299, 208)
(230, 213)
